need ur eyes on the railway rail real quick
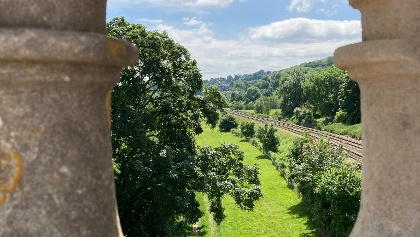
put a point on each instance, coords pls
(351, 145)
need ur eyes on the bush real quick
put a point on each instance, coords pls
(303, 116)
(266, 135)
(248, 129)
(339, 189)
(341, 117)
(227, 122)
(329, 187)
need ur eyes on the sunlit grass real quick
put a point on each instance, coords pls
(277, 213)
(354, 130)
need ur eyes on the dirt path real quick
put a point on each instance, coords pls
(212, 230)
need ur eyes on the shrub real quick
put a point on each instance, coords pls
(329, 187)
(339, 189)
(303, 116)
(341, 117)
(248, 129)
(227, 122)
(266, 135)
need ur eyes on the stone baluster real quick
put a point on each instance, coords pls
(57, 67)
(386, 66)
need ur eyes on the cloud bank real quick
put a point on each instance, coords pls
(269, 47)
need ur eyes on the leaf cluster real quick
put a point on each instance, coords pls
(156, 113)
(223, 172)
(330, 187)
(266, 135)
(227, 122)
(248, 129)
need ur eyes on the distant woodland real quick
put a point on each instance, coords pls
(301, 93)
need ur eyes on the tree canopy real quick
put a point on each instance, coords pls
(321, 88)
(156, 113)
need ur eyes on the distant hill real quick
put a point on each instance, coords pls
(227, 83)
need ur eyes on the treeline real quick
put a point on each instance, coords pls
(302, 93)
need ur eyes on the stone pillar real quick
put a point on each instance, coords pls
(57, 68)
(387, 67)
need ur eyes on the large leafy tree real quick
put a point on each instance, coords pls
(322, 87)
(290, 90)
(349, 100)
(155, 115)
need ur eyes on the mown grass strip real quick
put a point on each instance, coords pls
(277, 213)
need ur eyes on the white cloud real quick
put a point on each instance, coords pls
(151, 21)
(302, 6)
(303, 29)
(326, 12)
(191, 21)
(266, 47)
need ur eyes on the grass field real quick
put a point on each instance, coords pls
(354, 130)
(277, 213)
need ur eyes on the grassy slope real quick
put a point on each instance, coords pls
(278, 213)
(354, 130)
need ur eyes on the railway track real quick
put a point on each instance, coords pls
(351, 145)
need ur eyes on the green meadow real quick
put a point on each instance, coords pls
(277, 213)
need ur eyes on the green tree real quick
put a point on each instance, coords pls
(227, 122)
(155, 115)
(329, 186)
(212, 101)
(321, 88)
(223, 172)
(290, 90)
(349, 100)
(266, 135)
(264, 105)
(303, 116)
(248, 129)
(252, 94)
(337, 194)
(216, 99)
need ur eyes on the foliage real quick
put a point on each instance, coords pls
(339, 189)
(264, 105)
(354, 131)
(349, 100)
(303, 116)
(290, 90)
(252, 94)
(270, 217)
(328, 186)
(325, 62)
(156, 114)
(212, 101)
(248, 129)
(216, 99)
(341, 117)
(322, 87)
(266, 135)
(227, 122)
(223, 172)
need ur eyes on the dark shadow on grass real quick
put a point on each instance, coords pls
(262, 157)
(301, 211)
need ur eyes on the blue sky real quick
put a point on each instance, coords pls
(229, 37)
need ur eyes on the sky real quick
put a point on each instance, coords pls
(229, 37)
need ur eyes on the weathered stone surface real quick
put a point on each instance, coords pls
(387, 67)
(56, 176)
(72, 15)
